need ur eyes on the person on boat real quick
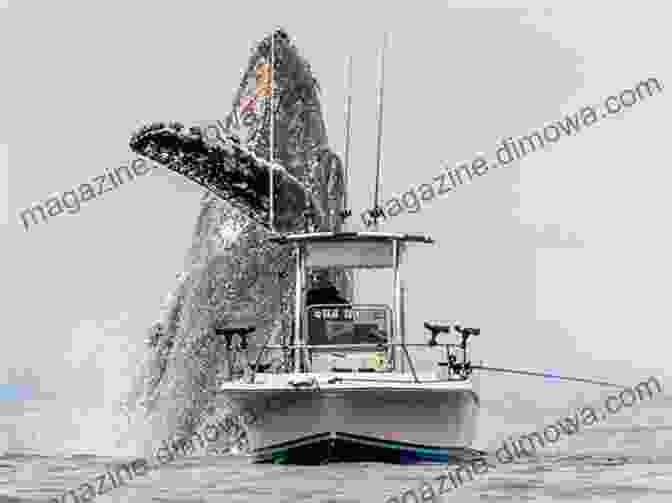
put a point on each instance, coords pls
(323, 292)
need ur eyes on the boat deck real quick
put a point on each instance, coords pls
(264, 383)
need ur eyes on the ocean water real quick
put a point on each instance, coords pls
(626, 459)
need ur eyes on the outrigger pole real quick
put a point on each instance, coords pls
(345, 211)
(348, 115)
(381, 83)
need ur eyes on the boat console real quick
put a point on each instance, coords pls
(329, 324)
(332, 334)
(345, 338)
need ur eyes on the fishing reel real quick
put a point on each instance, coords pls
(464, 369)
(461, 369)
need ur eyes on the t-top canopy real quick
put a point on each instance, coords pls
(350, 249)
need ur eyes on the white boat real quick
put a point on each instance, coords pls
(341, 384)
(346, 388)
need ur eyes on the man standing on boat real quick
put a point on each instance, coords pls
(323, 291)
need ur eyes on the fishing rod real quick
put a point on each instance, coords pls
(348, 117)
(542, 374)
(375, 211)
(465, 368)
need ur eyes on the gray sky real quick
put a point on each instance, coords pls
(561, 260)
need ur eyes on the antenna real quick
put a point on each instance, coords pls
(345, 213)
(381, 82)
(348, 114)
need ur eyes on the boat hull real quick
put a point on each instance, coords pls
(394, 424)
(335, 447)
